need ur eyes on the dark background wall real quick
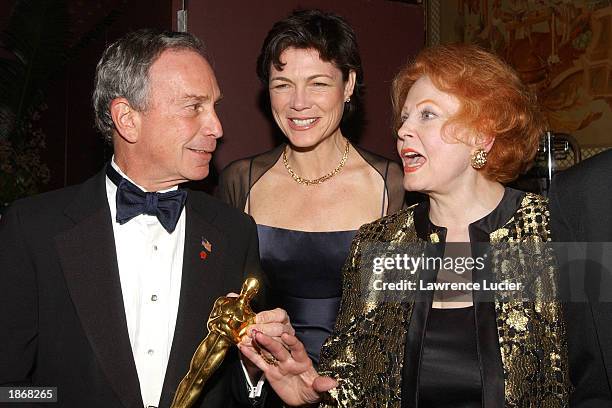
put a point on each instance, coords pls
(74, 150)
(388, 32)
(70, 111)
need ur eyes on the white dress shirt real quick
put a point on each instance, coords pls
(150, 268)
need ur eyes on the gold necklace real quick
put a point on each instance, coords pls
(307, 182)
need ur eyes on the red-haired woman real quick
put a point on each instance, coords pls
(466, 125)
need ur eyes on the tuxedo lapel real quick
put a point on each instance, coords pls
(202, 283)
(89, 262)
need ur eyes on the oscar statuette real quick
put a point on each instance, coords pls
(227, 323)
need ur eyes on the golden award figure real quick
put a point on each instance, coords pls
(227, 324)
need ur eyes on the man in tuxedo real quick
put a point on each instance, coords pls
(581, 211)
(106, 286)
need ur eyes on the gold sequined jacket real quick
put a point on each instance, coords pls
(521, 344)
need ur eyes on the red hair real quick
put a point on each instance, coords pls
(495, 104)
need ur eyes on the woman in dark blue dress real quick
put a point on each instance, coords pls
(310, 194)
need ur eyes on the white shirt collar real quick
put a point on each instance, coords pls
(116, 167)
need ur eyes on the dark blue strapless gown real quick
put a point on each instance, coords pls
(305, 276)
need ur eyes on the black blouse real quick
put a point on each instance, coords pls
(450, 374)
(457, 384)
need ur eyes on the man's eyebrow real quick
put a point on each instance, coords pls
(196, 98)
(200, 98)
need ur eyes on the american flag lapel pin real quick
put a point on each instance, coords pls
(206, 249)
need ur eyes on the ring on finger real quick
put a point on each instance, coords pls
(273, 361)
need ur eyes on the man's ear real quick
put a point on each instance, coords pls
(126, 119)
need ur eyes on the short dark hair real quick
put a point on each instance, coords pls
(123, 70)
(328, 33)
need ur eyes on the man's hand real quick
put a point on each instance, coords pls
(293, 376)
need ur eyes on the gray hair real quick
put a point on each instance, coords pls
(123, 70)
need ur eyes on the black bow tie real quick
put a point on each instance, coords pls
(132, 201)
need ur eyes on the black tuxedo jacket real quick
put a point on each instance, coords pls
(581, 211)
(62, 320)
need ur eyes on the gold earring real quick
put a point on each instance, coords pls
(479, 158)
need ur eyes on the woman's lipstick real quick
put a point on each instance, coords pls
(412, 160)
